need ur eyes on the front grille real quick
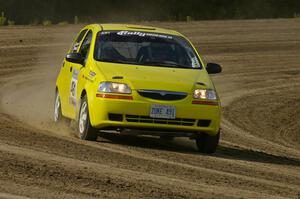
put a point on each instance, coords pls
(204, 123)
(115, 117)
(162, 95)
(147, 119)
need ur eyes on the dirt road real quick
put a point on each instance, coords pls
(259, 155)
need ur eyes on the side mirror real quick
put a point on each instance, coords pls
(213, 68)
(74, 58)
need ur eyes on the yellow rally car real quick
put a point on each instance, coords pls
(138, 79)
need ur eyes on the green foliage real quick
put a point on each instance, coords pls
(63, 23)
(47, 22)
(23, 11)
(11, 22)
(76, 20)
(2, 19)
(297, 15)
(34, 22)
(188, 19)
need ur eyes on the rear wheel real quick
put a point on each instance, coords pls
(207, 143)
(86, 131)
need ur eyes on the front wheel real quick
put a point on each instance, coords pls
(167, 137)
(86, 131)
(207, 143)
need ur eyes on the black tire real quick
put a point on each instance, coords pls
(85, 129)
(58, 117)
(207, 143)
(167, 137)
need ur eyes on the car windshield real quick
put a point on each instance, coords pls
(144, 48)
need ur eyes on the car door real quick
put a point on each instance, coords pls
(78, 70)
(69, 82)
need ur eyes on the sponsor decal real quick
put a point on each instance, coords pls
(92, 74)
(73, 88)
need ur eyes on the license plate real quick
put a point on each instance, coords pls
(162, 111)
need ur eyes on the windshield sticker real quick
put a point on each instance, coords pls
(195, 62)
(143, 34)
(105, 33)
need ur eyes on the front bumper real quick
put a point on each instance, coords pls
(134, 114)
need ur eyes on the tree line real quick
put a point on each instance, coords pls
(36, 11)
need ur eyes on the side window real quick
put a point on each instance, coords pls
(78, 40)
(85, 46)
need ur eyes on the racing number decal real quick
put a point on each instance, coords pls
(73, 88)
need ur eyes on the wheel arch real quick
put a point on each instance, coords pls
(83, 93)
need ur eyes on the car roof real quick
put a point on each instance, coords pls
(132, 27)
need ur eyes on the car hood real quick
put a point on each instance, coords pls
(155, 78)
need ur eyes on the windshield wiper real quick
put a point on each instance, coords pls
(116, 61)
(149, 63)
(166, 64)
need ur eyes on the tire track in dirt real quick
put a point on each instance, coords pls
(154, 164)
(116, 173)
(147, 167)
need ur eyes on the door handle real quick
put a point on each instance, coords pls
(71, 68)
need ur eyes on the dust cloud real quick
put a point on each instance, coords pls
(30, 96)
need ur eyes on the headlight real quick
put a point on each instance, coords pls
(205, 94)
(112, 87)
